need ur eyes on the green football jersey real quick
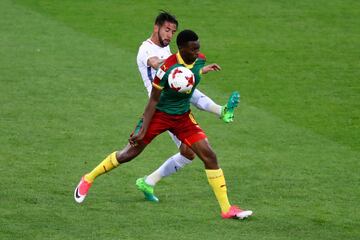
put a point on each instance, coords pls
(172, 101)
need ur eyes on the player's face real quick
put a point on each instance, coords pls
(190, 52)
(166, 33)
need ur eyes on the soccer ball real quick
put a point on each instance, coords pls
(181, 80)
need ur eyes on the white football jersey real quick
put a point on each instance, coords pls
(147, 50)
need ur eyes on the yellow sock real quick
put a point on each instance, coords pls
(106, 165)
(217, 182)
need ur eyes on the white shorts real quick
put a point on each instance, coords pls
(175, 139)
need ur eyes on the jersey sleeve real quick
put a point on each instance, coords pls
(202, 56)
(160, 78)
(162, 73)
(146, 52)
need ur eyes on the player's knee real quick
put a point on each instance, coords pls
(128, 153)
(187, 152)
(123, 156)
(209, 158)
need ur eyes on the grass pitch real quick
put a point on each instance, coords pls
(70, 94)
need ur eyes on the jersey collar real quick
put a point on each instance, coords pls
(181, 61)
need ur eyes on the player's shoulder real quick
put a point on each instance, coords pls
(147, 44)
(170, 61)
(201, 56)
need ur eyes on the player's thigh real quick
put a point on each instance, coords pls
(187, 130)
(175, 139)
(157, 126)
(183, 148)
(187, 152)
(204, 151)
(196, 96)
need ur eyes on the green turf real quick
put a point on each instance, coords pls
(70, 94)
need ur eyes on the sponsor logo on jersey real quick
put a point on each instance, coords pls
(160, 73)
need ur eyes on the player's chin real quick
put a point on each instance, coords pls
(166, 42)
(193, 59)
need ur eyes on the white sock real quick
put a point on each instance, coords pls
(203, 102)
(209, 105)
(170, 166)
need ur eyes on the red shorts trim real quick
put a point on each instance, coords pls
(194, 138)
(183, 126)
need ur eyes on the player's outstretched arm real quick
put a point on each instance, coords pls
(210, 68)
(147, 116)
(155, 62)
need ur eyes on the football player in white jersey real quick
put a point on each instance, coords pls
(151, 55)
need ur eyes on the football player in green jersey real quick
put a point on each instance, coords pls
(159, 117)
(152, 53)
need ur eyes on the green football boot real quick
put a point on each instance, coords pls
(147, 189)
(227, 111)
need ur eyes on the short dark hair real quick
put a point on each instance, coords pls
(186, 36)
(165, 17)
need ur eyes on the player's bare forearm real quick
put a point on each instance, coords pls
(147, 116)
(150, 107)
(155, 62)
(210, 68)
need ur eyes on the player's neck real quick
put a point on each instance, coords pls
(155, 39)
(181, 60)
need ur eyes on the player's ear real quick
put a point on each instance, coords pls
(156, 28)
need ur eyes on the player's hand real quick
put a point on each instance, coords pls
(155, 62)
(210, 68)
(135, 139)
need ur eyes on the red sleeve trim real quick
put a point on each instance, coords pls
(169, 62)
(202, 56)
(156, 80)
